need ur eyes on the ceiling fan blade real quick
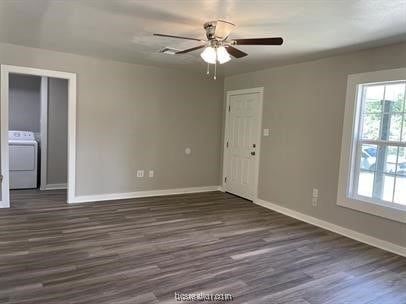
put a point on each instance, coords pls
(191, 49)
(223, 29)
(259, 41)
(235, 52)
(179, 37)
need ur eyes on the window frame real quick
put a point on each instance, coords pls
(349, 160)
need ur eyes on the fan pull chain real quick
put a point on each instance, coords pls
(215, 68)
(208, 69)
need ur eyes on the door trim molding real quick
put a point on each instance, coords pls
(71, 77)
(44, 132)
(259, 90)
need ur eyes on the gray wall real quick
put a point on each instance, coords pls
(57, 156)
(304, 108)
(133, 117)
(24, 102)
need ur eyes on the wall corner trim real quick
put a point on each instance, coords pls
(361, 237)
(140, 194)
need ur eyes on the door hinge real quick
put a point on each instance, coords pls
(229, 108)
(227, 145)
(225, 179)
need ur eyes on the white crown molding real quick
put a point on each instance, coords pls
(361, 237)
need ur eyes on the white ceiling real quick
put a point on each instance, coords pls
(122, 30)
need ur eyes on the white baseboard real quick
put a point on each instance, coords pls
(4, 205)
(139, 194)
(361, 237)
(55, 186)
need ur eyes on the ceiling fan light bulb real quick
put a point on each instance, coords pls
(222, 55)
(209, 55)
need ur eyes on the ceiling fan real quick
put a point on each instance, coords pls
(217, 47)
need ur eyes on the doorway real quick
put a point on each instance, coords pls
(242, 142)
(40, 154)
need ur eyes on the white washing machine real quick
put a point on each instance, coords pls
(23, 159)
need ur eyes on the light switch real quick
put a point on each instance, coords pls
(266, 132)
(140, 173)
(151, 173)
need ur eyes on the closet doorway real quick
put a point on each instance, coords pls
(38, 115)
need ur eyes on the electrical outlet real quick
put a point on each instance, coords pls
(314, 201)
(315, 192)
(140, 173)
(151, 173)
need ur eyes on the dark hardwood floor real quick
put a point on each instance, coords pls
(145, 250)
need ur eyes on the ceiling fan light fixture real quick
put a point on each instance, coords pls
(218, 48)
(222, 55)
(209, 55)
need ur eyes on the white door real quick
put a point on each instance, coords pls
(242, 143)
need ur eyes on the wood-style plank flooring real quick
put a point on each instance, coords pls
(145, 250)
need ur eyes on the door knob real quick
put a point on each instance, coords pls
(253, 153)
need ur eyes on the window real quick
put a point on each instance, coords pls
(381, 145)
(373, 157)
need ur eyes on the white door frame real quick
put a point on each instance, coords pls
(44, 132)
(71, 77)
(260, 91)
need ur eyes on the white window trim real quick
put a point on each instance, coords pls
(349, 143)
